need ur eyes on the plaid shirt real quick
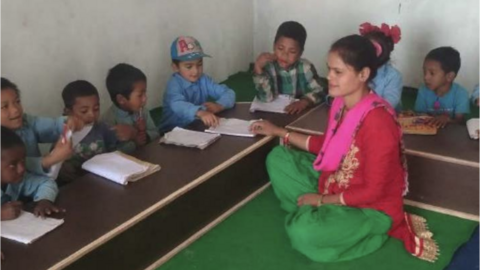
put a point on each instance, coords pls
(300, 81)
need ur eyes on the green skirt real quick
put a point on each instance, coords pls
(329, 233)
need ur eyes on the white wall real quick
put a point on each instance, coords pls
(425, 24)
(49, 43)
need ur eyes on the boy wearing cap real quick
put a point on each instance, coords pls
(284, 72)
(189, 89)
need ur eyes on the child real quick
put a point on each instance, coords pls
(388, 82)
(475, 95)
(127, 86)
(447, 101)
(81, 100)
(189, 89)
(284, 72)
(34, 130)
(18, 184)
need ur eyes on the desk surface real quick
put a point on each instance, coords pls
(98, 209)
(451, 142)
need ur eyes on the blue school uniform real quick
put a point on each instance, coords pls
(388, 83)
(183, 99)
(455, 101)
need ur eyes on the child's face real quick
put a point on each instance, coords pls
(287, 52)
(343, 79)
(13, 164)
(12, 111)
(434, 76)
(86, 108)
(190, 70)
(137, 99)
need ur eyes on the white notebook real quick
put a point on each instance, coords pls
(119, 167)
(473, 126)
(277, 105)
(189, 138)
(28, 228)
(76, 138)
(233, 127)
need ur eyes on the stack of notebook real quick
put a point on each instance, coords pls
(473, 127)
(28, 228)
(189, 138)
(119, 167)
(277, 105)
(233, 127)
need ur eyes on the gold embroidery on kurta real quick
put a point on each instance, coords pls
(349, 165)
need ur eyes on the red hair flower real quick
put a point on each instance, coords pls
(393, 32)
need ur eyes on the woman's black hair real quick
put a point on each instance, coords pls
(358, 52)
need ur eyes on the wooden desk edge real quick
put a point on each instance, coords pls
(147, 212)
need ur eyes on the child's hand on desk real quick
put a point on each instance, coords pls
(297, 106)
(62, 151)
(262, 60)
(208, 118)
(439, 121)
(141, 138)
(11, 210)
(74, 123)
(46, 207)
(213, 107)
(125, 132)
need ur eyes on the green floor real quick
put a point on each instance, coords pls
(254, 238)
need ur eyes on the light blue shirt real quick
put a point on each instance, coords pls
(475, 95)
(34, 186)
(37, 130)
(183, 99)
(455, 101)
(388, 84)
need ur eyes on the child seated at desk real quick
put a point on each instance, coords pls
(189, 89)
(18, 185)
(81, 100)
(131, 120)
(34, 130)
(440, 97)
(284, 72)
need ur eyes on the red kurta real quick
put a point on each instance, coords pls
(372, 176)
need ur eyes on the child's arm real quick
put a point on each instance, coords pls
(223, 95)
(11, 210)
(44, 191)
(179, 103)
(421, 101)
(264, 84)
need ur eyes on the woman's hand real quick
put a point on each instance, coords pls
(263, 127)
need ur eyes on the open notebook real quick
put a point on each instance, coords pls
(277, 105)
(189, 138)
(119, 167)
(473, 128)
(76, 138)
(28, 228)
(233, 127)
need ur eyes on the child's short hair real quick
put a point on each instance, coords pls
(358, 52)
(77, 89)
(120, 80)
(448, 57)
(10, 139)
(293, 30)
(7, 84)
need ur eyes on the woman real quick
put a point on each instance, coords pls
(351, 208)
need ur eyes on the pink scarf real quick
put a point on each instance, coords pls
(339, 138)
